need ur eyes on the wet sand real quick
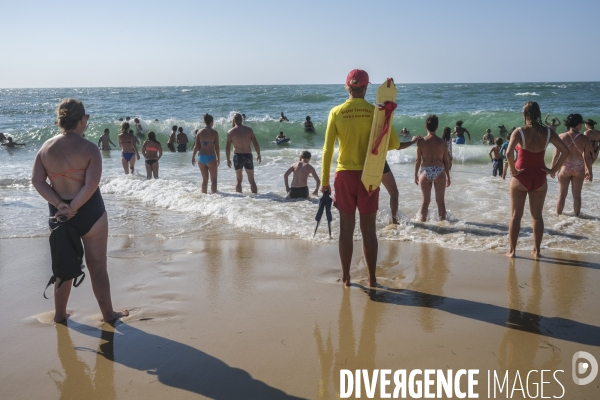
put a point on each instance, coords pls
(267, 318)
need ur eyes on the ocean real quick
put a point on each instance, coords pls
(173, 206)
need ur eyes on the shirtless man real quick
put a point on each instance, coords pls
(138, 127)
(241, 137)
(594, 135)
(434, 161)
(283, 118)
(170, 143)
(11, 144)
(459, 131)
(308, 125)
(2, 137)
(301, 170)
(182, 141)
(105, 140)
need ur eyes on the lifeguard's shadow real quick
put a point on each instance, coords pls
(553, 327)
(176, 364)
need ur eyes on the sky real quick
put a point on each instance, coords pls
(261, 42)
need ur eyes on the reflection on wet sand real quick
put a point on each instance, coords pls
(172, 363)
(78, 381)
(347, 356)
(518, 351)
(431, 275)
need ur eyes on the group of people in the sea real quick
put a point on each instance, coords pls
(73, 167)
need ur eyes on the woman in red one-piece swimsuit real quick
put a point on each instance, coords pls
(529, 173)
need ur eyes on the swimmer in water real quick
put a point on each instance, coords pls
(553, 124)
(503, 130)
(459, 131)
(11, 144)
(104, 142)
(129, 151)
(182, 141)
(308, 125)
(279, 137)
(488, 138)
(301, 170)
(206, 145)
(497, 164)
(152, 152)
(2, 137)
(138, 127)
(283, 118)
(172, 137)
(594, 135)
(446, 136)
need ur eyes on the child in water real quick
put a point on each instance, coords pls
(497, 158)
(280, 137)
(488, 138)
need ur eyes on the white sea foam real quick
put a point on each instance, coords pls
(527, 94)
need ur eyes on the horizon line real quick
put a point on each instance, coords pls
(286, 84)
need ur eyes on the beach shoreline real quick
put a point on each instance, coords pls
(268, 318)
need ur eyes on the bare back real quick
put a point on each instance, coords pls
(578, 145)
(126, 142)
(302, 170)
(70, 155)
(433, 150)
(241, 137)
(206, 140)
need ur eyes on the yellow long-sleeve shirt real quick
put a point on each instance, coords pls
(350, 123)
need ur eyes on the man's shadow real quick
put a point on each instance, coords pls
(174, 364)
(553, 327)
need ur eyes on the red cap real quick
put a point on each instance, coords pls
(357, 78)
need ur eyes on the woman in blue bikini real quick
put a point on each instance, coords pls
(129, 151)
(206, 146)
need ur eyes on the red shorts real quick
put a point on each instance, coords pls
(350, 193)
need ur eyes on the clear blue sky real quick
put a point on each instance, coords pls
(226, 42)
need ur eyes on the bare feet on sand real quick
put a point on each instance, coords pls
(346, 280)
(60, 318)
(372, 282)
(116, 315)
(510, 253)
(536, 254)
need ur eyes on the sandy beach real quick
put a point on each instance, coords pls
(267, 318)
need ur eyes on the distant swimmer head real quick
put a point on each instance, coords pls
(69, 113)
(404, 130)
(127, 118)
(431, 123)
(282, 114)
(244, 117)
(488, 130)
(532, 113)
(120, 119)
(446, 133)
(590, 122)
(459, 122)
(208, 119)
(155, 119)
(106, 130)
(131, 131)
(125, 127)
(152, 136)
(9, 138)
(174, 128)
(305, 155)
(237, 119)
(308, 118)
(573, 120)
(499, 141)
(180, 129)
(137, 121)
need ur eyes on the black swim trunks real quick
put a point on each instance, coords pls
(243, 161)
(386, 168)
(181, 147)
(299, 192)
(151, 162)
(87, 215)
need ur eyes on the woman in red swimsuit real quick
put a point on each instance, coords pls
(578, 165)
(74, 166)
(529, 173)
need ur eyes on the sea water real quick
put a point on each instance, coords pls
(478, 204)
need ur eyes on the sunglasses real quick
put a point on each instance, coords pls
(61, 218)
